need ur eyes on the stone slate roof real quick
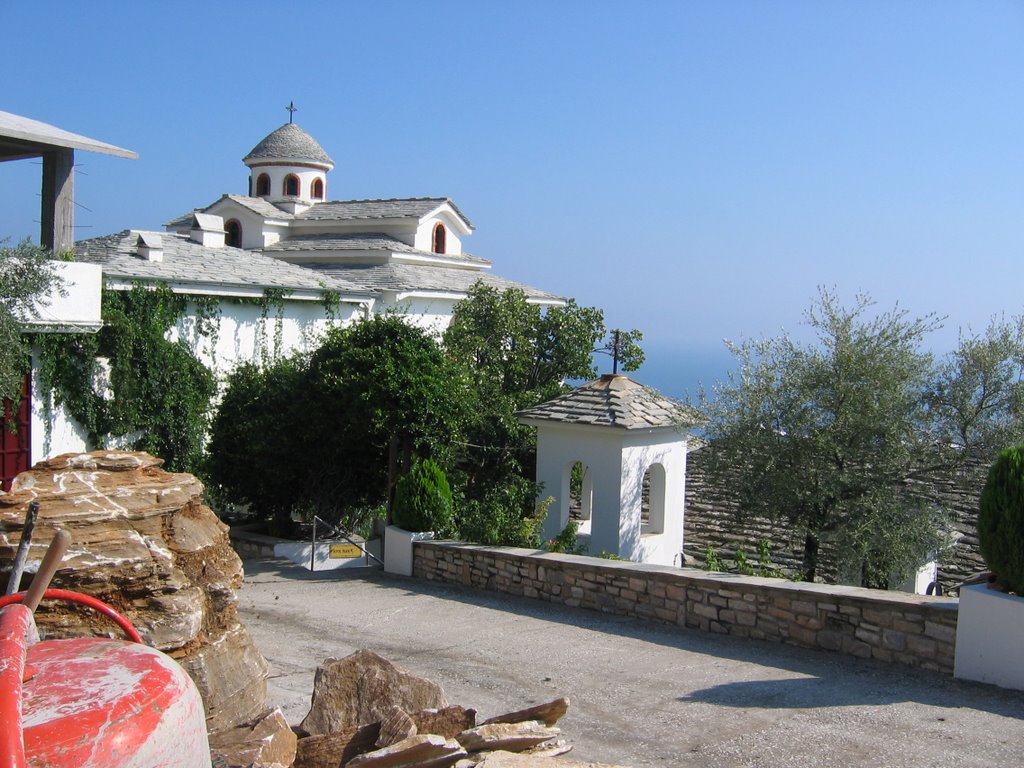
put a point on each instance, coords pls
(256, 205)
(185, 261)
(415, 277)
(614, 400)
(392, 208)
(288, 142)
(360, 241)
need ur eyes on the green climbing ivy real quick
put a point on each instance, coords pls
(128, 383)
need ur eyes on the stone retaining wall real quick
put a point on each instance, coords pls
(893, 627)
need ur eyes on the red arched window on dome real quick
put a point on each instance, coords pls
(291, 185)
(317, 192)
(440, 236)
(263, 185)
(233, 233)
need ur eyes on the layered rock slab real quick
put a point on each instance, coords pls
(143, 541)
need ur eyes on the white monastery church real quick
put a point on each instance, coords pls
(282, 264)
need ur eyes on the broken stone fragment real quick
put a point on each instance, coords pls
(511, 737)
(395, 726)
(264, 742)
(448, 722)
(512, 760)
(549, 713)
(361, 688)
(335, 749)
(427, 751)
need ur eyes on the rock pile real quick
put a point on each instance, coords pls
(369, 713)
(143, 541)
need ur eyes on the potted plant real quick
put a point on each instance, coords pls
(990, 623)
(422, 508)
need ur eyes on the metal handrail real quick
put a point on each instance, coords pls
(337, 532)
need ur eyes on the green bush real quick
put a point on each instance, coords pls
(423, 500)
(1001, 519)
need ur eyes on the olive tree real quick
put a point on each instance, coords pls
(825, 436)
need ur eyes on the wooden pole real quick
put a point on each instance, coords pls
(58, 195)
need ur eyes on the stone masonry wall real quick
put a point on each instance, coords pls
(892, 627)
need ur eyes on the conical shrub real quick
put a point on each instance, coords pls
(423, 499)
(1001, 519)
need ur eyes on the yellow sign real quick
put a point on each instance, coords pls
(345, 551)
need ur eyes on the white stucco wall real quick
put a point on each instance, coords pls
(432, 314)
(277, 174)
(424, 238)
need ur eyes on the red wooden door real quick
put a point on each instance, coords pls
(15, 447)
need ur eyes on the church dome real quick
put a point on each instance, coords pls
(289, 143)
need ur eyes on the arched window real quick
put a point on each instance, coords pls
(233, 233)
(317, 192)
(581, 495)
(652, 504)
(439, 238)
(291, 185)
(262, 185)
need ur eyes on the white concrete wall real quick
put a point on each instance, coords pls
(79, 305)
(989, 628)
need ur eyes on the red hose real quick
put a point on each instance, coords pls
(87, 600)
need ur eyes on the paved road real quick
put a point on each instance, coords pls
(642, 694)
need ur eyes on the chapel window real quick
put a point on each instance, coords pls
(317, 192)
(438, 245)
(291, 185)
(263, 185)
(233, 233)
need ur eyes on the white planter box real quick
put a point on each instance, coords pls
(989, 628)
(398, 549)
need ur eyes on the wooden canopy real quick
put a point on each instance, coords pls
(21, 138)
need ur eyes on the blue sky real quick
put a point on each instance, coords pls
(695, 169)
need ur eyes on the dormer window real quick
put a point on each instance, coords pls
(317, 191)
(291, 185)
(233, 233)
(263, 185)
(438, 242)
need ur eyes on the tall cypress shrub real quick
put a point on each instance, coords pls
(423, 499)
(1001, 519)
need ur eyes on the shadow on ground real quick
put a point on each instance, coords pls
(825, 680)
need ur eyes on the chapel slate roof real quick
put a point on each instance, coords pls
(256, 205)
(361, 241)
(415, 277)
(289, 142)
(185, 261)
(391, 208)
(614, 400)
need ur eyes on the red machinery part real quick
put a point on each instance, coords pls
(87, 600)
(16, 628)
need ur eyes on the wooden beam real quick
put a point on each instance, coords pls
(58, 214)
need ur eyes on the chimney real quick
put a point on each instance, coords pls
(207, 230)
(150, 246)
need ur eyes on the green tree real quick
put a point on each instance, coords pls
(977, 396)
(27, 273)
(331, 433)
(518, 354)
(257, 454)
(826, 435)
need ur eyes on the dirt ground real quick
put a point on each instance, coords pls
(641, 694)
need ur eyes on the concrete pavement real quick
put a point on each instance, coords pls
(641, 694)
